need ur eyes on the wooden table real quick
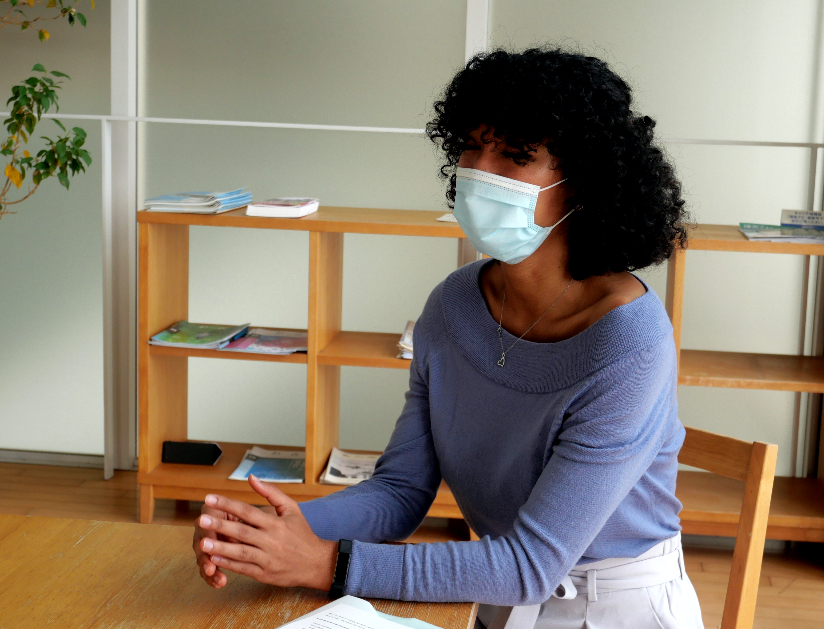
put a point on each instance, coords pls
(80, 573)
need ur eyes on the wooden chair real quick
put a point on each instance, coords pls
(753, 463)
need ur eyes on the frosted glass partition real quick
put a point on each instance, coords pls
(371, 62)
(722, 70)
(51, 302)
(318, 62)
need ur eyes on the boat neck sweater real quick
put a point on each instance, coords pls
(566, 455)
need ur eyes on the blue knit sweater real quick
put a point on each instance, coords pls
(566, 454)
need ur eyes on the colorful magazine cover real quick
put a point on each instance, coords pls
(274, 466)
(199, 335)
(266, 341)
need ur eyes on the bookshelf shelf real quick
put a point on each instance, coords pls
(363, 349)
(751, 371)
(326, 219)
(159, 350)
(710, 502)
(729, 238)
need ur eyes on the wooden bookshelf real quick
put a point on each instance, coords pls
(163, 371)
(710, 502)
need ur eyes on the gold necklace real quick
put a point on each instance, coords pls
(502, 360)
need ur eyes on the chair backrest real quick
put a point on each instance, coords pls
(754, 464)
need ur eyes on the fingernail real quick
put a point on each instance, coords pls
(205, 520)
(211, 500)
(207, 544)
(253, 476)
(216, 559)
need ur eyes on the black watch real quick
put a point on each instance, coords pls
(341, 569)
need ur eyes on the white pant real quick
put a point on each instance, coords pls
(670, 605)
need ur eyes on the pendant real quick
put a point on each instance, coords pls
(502, 361)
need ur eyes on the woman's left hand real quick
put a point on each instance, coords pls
(276, 549)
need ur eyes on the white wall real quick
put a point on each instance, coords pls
(51, 347)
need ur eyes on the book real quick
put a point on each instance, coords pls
(405, 344)
(266, 341)
(274, 466)
(198, 335)
(351, 612)
(779, 233)
(199, 202)
(801, 218)
(348, 468)
(283, 207)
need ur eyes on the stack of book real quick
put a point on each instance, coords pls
(796, 226)
(199, 202)
(405, 344)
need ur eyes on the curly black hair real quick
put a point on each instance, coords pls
(632, 214)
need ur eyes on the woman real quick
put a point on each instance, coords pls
(543, 383)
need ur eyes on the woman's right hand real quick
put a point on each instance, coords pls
(210, 573)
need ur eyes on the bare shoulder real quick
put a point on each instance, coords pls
(613, 291)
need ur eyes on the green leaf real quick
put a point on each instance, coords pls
(84, 155)
(38, 67)
(59, 124)
(14, 3)
(63, 178)
(79, 132)
(81, 18)
(31, 81)
(56, 73)
(37, 177)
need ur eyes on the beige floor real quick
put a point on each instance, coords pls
(791, 592)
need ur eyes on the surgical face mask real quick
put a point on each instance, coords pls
(497, 214)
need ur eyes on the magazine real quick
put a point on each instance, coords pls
(348, 468)
(266, 341)
(801, 218)
(779, 233)
(274, 466)
(405, 344)
(198, 335)
(349, 612)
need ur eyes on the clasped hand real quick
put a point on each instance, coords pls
(272, 545)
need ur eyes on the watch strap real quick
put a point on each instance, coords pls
(341, 569)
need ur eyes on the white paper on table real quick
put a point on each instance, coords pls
(350, 612)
